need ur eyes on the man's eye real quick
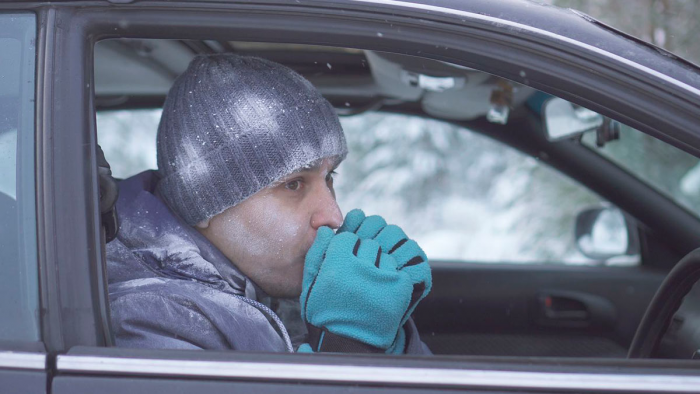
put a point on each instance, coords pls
(292, 185)
(329, 177)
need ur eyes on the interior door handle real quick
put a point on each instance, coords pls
(557, 307)
(568, 309)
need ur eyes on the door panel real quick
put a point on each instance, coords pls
(22, 369)
(111, 370)
(29, 382)
(119, 385)
(534, 310)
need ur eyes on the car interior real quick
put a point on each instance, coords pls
(540, 308)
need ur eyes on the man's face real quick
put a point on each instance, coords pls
(267, 235)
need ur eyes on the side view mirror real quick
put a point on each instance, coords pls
(563, 119)
(603, 233)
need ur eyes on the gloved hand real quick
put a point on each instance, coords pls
(409, 257)
(356, 296)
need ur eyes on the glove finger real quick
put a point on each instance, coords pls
(422, 280)
(388, 263)
(367, 251)
(408, 254)
(418, 293)
(342, 245)
(370, 227)
(420, 273)
(414, 263)
(391, 238)
(314, 259)
(352, 221)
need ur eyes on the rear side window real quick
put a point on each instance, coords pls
(19, 301)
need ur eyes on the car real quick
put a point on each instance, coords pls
(547, 163)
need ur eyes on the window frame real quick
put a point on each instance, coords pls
(74, 290)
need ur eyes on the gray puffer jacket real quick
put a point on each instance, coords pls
(170, 288)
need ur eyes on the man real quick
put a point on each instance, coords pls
(242, 206)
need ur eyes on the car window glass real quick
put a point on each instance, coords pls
(464, 196)
(18, 283)
(461, 195)
(664, 167)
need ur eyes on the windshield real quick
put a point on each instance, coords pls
(666, 168)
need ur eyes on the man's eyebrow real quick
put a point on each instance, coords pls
(311, 167)
(317, 164)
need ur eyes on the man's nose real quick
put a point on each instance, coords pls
(327, 212)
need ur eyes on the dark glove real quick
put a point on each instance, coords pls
(109, 193)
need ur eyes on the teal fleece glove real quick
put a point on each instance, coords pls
(409, 257)
(305, 348)
(354, 296)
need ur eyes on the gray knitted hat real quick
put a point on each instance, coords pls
(233, 125)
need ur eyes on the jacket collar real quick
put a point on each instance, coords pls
(170, 246)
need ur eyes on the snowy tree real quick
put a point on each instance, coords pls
(460, 194)
(669, 24)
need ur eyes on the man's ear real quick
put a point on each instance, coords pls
(203, 224)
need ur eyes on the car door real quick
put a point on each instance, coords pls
(23, 361)
(507, 47)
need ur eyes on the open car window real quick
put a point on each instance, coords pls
(500, 225)
(462, 195)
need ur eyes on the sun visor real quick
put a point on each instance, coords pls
(407, 77)
(445, 90)
(469, 104)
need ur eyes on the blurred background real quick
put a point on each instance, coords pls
(670, 24)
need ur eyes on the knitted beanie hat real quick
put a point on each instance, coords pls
(233, 125)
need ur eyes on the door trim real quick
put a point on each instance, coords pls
(463, 378)
(22, 360)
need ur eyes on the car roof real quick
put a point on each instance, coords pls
(567, 23)
(549, 22)
(528, 15)
(563, 30)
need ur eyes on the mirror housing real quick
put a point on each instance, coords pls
(563, 119)
(602, 233)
